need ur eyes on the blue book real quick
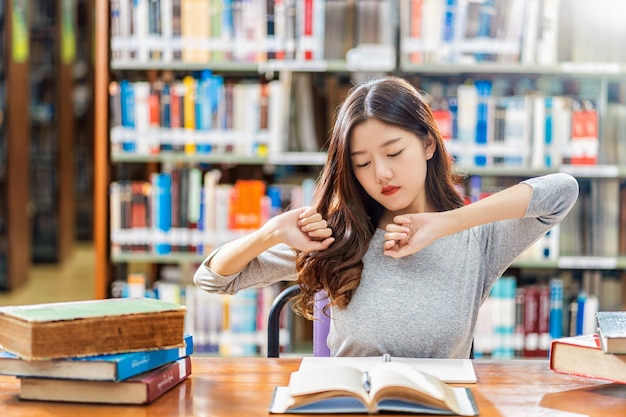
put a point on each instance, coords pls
(549, 163)
(115, 367)
(482, 120)
(487, 10)
(166, 119)
(162, 214)
(556, 308)
(580, 312)
(127, 100)
(204, 109)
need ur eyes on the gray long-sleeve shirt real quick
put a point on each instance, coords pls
(425, 304)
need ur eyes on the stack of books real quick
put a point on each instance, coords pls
(601, 355)
(115, 351)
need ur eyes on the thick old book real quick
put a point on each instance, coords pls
(387, 387)
(114, 367)
(140, 389)
(612, 331)
(88, 328)
(583, 356)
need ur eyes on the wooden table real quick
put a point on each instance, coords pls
(242, 387)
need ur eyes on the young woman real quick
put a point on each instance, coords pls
(405, 263)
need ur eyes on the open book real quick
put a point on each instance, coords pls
(452, 371)
(386, 387)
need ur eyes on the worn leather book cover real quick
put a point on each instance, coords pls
(93, 327)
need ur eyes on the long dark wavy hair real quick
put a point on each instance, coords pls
(350, 212)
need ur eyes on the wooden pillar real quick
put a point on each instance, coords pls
(101, 149)
(18, 142)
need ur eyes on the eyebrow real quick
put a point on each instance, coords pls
(384, 144)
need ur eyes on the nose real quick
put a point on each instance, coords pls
(383, 173)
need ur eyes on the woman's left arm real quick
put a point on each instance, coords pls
(557, 194)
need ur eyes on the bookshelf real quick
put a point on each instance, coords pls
(232, 57)
(15, 238)
(53, 49)
(549, 62)
(551, 70)
(83, 121)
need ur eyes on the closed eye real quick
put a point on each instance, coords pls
(396, 153)
(363, 165)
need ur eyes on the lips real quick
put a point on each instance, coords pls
(389, 190)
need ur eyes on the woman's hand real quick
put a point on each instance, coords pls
(303, 229)
(412, 232)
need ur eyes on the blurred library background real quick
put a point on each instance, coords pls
(135, 136)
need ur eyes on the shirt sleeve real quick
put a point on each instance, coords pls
(553, 196)
(274, 265)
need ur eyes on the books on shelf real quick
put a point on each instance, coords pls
(195, 115)
(528, 32)
(583, 356)
(109, 367)
(140, 389)
(386, 387)
(176, 213)
(254, 31)
(612, 331)
(235, 325)
(93, 327)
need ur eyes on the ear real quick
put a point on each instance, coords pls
(430, 147)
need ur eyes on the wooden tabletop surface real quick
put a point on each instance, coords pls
(242, 387)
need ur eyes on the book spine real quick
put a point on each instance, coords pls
(415, 25)
(279, 32)
(168, 377)
(166, 117)
(162, 187)
(140, 362)
(543, 319)
(167, 21)
(217, 55)
(127, 98)
(189, 113)
(531, 321)
(155, 52)
(556, 308)
(142, 116)
(483, 88)
(194, 190)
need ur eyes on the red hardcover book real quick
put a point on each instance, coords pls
(307, 37)
(415, 25)
(154, 116)
(139, 216)
(543, 321)
(583, 356)
(443, 118)
(584, 140)
(176, 116)
(531, 321)
(141, 389)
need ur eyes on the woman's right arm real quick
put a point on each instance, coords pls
(302, 229)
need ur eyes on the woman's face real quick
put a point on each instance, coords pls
(390, 164)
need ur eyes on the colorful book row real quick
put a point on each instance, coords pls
(244, 31)
(197, 114)
(534, 130)
(187, 211)
(529, 32)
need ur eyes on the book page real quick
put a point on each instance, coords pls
(395, 380)
(335, 378)
(457, 371)
(396, 374)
